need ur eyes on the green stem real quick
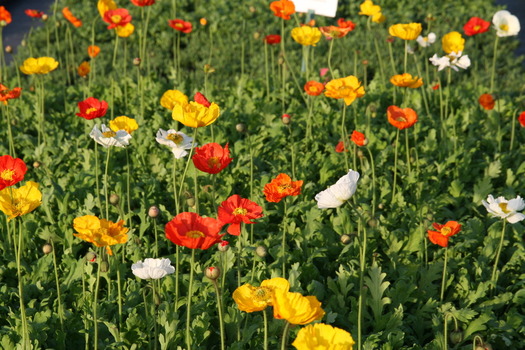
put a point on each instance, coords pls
(156, 237)
(362, 268)
(395, 167)
(25, 333)
(5, 111)
(266, 71)
(493, 73)
(188, 310)
(372, 165)
(128, 182)
(443, 279)
(188, 164)
(407, 146)
(512, 130)
(494, 277)
(59, 297)
(344, 137)
(265, 318)
(97, 183)
(330, 58)
(219, 307)
(155, 308)
(284, 341)
(283, 92)
(283, 243)
(95, 302)
(106, 183)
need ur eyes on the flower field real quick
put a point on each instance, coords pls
(240, 175)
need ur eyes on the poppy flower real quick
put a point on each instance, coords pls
(93, 51)
(408, 31)
(152, 268)
(443, 233)
(406, 80)
(12, 171)
(296, 308)
(283, 8)
(505, 209)
(505, 23)
(83, 69)
(323, 336)
(359, 138)
(367, 8)
(6, 94)
(313, 88)
(342, 23)
(272, 39)
(203, 21)
(348, 88)
(521, 119)
(334, 32)
(340, 147)
(453, 42)
(173, 97)
(235, 210)
(40, 65)
(401, 118)
(105, 5)
(177, 141)
(117, 18)
(337, 194)
(426, 41)
(5, 15)
(487, 101)
(193, 231)
(142, 3)
(107, 137)
(476, 25)
(180, 25)
(280, 187)
(194, 114)
(306, 35)
(125, 31)
(211, 158)
(92, 108)
(34, 13)
(16, 202)
(123, 123)
(201, 99)
(100, 232)
(249, 298)
(71, 18)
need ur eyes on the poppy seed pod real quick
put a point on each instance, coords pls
(212, 273)
(372, 222)
(114, 199)
(346, 239)
(47, 248)
(241, 127)
(261, 251)
(153, 211)
(223, 246)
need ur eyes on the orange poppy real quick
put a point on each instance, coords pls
(34, 13)
(487, 102)
(180, 25)
(401, 118)
(6, 94)
(83, 69)
(72, 19)
(5, 15)
(521, 119)
(211, 158)
(313, 88)
(280, 187)
(283, 8)
(272, 39)
(333, 32)
(12, 171)
(142, 3)
(345, 24)
(93, 51)
(193, 231)
(236, 210)
(443, 233)
(359, 138)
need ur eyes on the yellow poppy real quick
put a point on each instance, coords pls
(250, 298)
(194, 114)
(20, 201)
(40, 65)
(125, 31)
(123, 123)
(348, 88)
(100, 232)
(105, 5)
(369, 9)
(295, 308)
(321, 336)
(409, 31)
(453, 42)
(306, 35)
(171, 98)
(406, 80)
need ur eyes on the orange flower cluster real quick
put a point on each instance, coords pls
(6, 94)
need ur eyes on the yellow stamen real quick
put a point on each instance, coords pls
(503, 207)
(175, 138)
(195, 234)
(504, 27)
(213, 162)
(445, 231)
(116, 18)
(240, 211)
(90, 110)
(109, 134)
(7, 175)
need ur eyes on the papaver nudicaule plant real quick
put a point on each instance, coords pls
(152, 268)
(505, 209)
(336, 195)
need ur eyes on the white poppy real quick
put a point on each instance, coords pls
(152, 268)
(176, 140)
(505, 209)
(440, 62)
(335, 195)
(107, 137)
(459, 61)
(426, 41)
(505, 23)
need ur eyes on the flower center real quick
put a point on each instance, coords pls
(503, 207)
(213, 162)
(116, 18)
(477, 28)
(179, 25)
(504, 27)
(401, 118)
(445, 231)
(109, 134)
(262, 293)
(175, 138)
(283, 187)
(7, 175)
(195, 234)
(240, 211)
(91, 110)
(425, 39)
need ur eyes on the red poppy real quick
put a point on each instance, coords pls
(142, 3)
(443, 233)
(313, 88)
(193, 231)
(345, 24)
(283, 8)
(211, 158)
(280, 187)
(521, 119)
(5, 15)
(272, 39)
(12, 170)
(92, 108)
(340, 147)
(435, 87)
(117, 18)
(6, 94)
(487, 102)
(401, 118)
(201, 99)
(235, 210)
(93, 51)
(72, 19)
(476, 25)
(359, 138)
(180, 25)
(34, 13)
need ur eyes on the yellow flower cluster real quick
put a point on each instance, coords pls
(40, 65)
(306, 35)
(406, 80)
(408, 31)
(100, 232)
(453, 42)
(373, 11)
(192, 114)
(16, 202)
(348, 88)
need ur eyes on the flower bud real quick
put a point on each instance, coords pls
(261, 251)
(240, 127)
(286, 119)
(114, 199)
(137, 61)
(346, 239)
(203, 21)
(3, 23)
(456, 336)
(9, 49)
(212, 272)
(256, 35)
(252, 9)
(23, 43)
(190, 201)
(47, 248)
(430, 217)
(153, 211)
(90, 257)
(372, 222)
(381, 206)
(208, 69)
(36, 165)
(364, 62)
(360, 154)
(223, 246)
(104, 266)
(484, 346)
(44, 17)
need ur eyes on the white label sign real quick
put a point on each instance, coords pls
(326, 8)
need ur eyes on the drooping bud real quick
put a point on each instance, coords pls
(9, 49)
(346, 239)
(114, 199)
(47, 248)
(104, 266)
(90, 257)
(261, 251)
(153, 211)
(240, 127)
(137, 61)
